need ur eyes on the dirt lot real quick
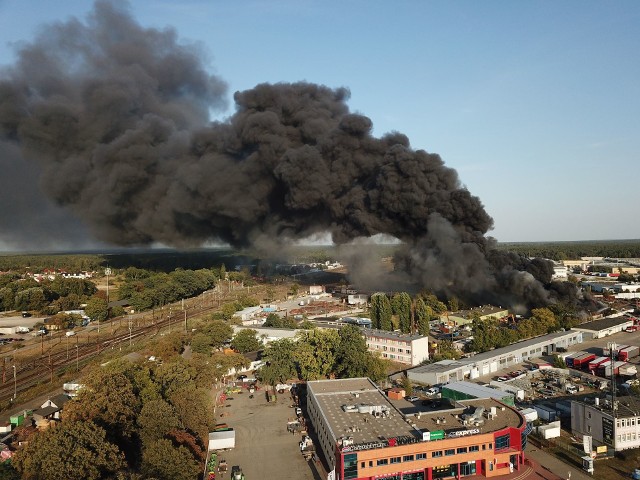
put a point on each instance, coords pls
(264, 448)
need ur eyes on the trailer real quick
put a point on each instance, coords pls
(606, 351)
(627, 370)
(614, 368)
(582, 360)
(222, 439)
(626, 353)
(569, 359)
(593, 364)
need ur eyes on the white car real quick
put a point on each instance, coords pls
(433, 391)
(503, 379)
(412, 398)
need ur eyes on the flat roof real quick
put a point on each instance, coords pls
(603, 324)
(331, 395)
(448, 365)
(628, 405)
(372, 332)
(451, 419)
(476, 390)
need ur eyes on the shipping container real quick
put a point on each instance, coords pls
(569, 358)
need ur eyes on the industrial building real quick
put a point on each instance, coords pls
(617, 428)
(489, 362)
(604, 327)
(364, 436)
(399, 347)
(485, 312)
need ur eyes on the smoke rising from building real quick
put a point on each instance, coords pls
(114, 118)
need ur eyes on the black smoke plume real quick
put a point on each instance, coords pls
(115, 119)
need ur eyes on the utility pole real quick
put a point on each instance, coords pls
(15, 383)
(77, 358)
(130, 328)
(185, 321)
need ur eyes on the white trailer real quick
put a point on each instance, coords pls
(222, 439)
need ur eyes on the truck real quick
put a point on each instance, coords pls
(222, 439)
(282, 387)
(593, 364)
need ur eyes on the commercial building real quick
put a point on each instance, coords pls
(596, 417)
(399, 347)
(364, 436)
(489, 362)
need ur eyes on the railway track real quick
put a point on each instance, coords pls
(44, 360)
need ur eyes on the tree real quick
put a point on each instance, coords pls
(74, 449)
(280, 361)
(218, 332)
(380, 311)
(276, 321)
(156, 419)
(162, 461)
(96, 309)
(352, 358)
(401, 306)
(423, 315)
(246, 340)
(228, 310)
(446, 351)
(405, 383)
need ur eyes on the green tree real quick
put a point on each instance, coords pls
(352, 358)
(280, 361)
(405, 383)
(246, 340)
(218, 332)
(162, 461)
(446, 351)
(380, 311)
(401, 306)
(157, 418)
(228, 310)
(423, 315)
(74, 449)
(96, 309)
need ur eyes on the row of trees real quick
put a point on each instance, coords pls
(491, 333)
(399, 311)
(148, 290)
(46, 296)
(575, 250)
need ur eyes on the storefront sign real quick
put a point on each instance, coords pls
(365, 446)
(464, 433)
(607, 430)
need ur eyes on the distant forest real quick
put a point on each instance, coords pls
(168, 260)
(576, 250)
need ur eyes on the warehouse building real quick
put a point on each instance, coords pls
(468, 390)
(364, 436)
(604, 327)
(490, 362)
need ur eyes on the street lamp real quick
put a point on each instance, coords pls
(15, 383)
(77, 357)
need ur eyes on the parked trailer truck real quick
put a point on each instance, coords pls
(593, 364)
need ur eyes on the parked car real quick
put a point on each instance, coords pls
(412, 398)
(433, 391)
(503, 379)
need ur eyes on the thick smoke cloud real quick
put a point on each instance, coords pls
(115, 117)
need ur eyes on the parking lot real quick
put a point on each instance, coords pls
(264, 448)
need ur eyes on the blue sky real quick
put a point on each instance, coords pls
(535, 104)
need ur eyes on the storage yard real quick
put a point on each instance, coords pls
(264, 447)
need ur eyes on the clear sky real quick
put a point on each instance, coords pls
(535, 104)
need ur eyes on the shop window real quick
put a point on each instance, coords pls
(436, 454)
(474, 448)
(407, 458)
(395, 459)
(461, 450)
(382, 461)
(421, 456)
(450, 451)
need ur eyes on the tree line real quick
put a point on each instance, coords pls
(401, 312)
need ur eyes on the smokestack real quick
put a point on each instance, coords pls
(114, 118)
